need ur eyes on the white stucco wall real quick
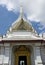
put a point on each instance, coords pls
(43, 54)
(4, 54)
(37, 56)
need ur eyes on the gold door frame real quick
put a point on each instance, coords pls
(22, 52)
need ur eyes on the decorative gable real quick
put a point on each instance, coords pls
(22, 25)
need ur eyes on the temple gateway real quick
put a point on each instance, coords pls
(22, 45)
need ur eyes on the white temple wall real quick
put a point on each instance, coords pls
(1, 55)
(37, 56)
(32, 58)
(4, 54)
(10, 56)
(43, 54)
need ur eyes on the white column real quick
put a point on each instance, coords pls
(10, 53)
(37, 56)
(6, 56)
(1, 54)
(43, 54)
(32, 57)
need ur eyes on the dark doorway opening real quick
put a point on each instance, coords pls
(22, 60)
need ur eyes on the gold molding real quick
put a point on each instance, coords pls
(22, 53)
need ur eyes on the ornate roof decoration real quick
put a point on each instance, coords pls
(22, 24)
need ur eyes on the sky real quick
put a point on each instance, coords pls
(34, 10)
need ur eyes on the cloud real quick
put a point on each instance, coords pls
(33, 18)
(10, 5)
(35, 9)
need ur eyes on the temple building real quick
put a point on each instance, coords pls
(22, 45)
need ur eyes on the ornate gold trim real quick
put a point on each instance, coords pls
(24, 52)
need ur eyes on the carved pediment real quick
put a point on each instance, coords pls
(22, 48)
(22, 25)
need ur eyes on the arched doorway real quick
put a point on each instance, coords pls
(22, 56)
